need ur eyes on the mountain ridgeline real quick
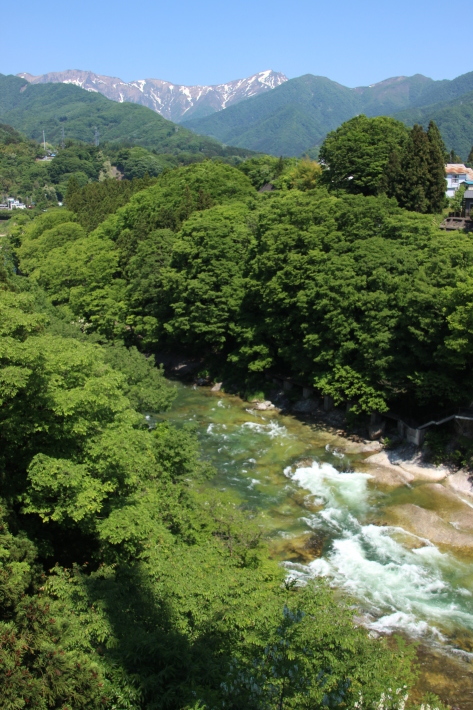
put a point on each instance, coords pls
(264, 113)
(294, 118)
(67, 111)
(172, 101)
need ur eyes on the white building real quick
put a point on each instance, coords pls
(15, 204)
(456, 174)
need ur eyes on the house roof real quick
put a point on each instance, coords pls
(458, 169)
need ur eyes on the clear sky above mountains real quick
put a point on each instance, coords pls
(212, 41)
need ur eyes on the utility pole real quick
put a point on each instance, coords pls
(96, 136)
(44, 143)
(62, 137)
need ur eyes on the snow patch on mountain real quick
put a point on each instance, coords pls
(172, 101)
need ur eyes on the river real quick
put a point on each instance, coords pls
(326, 514)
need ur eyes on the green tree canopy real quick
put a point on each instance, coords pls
(356, 154)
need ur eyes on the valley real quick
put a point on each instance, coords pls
(254, 529)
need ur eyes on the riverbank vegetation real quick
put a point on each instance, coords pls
(126, 582)
(351, 294)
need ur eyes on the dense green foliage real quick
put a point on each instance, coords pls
(356, 154)
(137, 162)
(73, 165)
(93, 202)
(351, 294)
(20, 173)
(24, 173)
(125, 581)
(53, 108)
(371, 156)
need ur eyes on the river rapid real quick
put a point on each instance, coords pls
(328, 513)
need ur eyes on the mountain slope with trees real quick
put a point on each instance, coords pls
(20, 174)
(172, 101)
(293, 118)
(285, 121)
(454, 119)
(58, 108)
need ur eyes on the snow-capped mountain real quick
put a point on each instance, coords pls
(172, 101)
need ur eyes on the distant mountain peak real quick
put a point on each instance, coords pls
(173, 101)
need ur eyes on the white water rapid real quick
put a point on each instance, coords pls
(402, 584)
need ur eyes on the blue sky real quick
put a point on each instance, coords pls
(210, 42)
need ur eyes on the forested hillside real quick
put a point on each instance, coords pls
(295, 117)
(350, 293)
(454, 119)
(41, 183)
(128, 582)
(62, 110)
(19, 171)
(43, 179)
(287, 120)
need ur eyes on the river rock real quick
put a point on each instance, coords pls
(315, 544)
(410, 463)
(263, 406)
(429, 525)
(279, 398)
(451, 508)
(461, 482)
(376, 431)
(303, 548)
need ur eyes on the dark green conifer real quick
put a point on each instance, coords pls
(73, 187)
(279, 167)
(389, 181)
(453, 157)
(436, 180)
(413, 186)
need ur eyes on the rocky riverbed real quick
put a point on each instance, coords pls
(384, 527)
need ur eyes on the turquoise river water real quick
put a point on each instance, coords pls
(325, 515)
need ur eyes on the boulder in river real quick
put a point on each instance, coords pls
(263, 406)
(303, 548)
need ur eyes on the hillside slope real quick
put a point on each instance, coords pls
(454, 119)
(172, 101)
(285, 121)
(60, 109)
(297, 115)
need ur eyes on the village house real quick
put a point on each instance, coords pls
(12, 204)
(456, 174)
